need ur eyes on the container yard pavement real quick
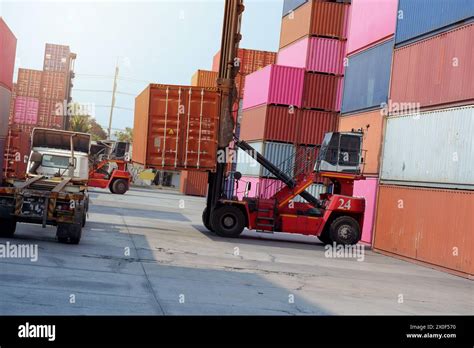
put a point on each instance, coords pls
(147, 253)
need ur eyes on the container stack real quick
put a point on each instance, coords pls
(195, 183)
(7, 64)
(288, 107)
(55, 86)
(366, 88)
(426, 194)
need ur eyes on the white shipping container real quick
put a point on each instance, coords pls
(281, 155)
(432, 148)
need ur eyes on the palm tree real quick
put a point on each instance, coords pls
(80, 124)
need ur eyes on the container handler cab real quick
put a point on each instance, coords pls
(55, 190)
(108, 166)
(334, 217)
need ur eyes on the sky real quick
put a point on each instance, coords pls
(153, 41)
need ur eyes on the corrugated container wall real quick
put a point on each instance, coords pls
(368, 189)
(175, 127)
(5, 97)
(315, 18)
(365, 30)
(2, 158)
(16, 150)
(26, 110)
(274, 84)
(56, 58)
(367, 78)
(371, 123)
(204, 78)
(53, 85)
(12, 104)
(428, 225)
(196, 183)
(322, 92)
(29, 83)
(7, 55)
(249, 60)
(49, 115)
(422, 17)
(282, 155)
(432, 148)
(448, 78)
(315, 54)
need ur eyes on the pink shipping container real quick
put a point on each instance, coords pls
(26, 110)
(366, 30)
(259, 186)
(7, 55)
(315, 54)
(274, 84)
(368, 189)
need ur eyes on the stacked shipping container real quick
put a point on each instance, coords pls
(366, 88)
(7, 63)
(425, 200)
(291, 105)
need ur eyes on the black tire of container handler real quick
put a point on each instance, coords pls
(206, 225)
(119, 187)
(345, 230)
(7, 227)
(325, 238)
(84, 219)
(69, 233)
(228, 221)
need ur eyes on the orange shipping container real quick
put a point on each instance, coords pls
(249, 60)
(29, 83)
(176, 127)
(371, 123)
(315, 18)
(204, 78)
(53, 85)
(196, 184)
(433, 226)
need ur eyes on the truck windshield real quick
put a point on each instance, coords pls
(54, 161)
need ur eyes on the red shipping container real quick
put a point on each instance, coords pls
(313, 125)
(176, 127)
(269, 122)
(7, 55)
(29, 83)
(57, 58)
(447, 79)
(322, 91)
(26, 110)
(17, 149)
(196, 184)
(51, 113)
(53, 85)
(427, 225)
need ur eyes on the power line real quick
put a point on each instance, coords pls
(103, 91)
(116, 107)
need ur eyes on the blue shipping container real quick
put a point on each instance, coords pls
(367, 78)
(291, 5)
(420, 18)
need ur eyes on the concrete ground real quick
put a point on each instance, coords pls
(147, 253)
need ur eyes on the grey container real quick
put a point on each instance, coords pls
(431, 149)
(5, 96)
(291, 5)
(367, 78)
(281, 155)
(418, 19)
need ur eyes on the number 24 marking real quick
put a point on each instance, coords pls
(343, 205)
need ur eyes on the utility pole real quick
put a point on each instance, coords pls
(112, 105)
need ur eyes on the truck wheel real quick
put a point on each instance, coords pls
(119, 187)
(228, 221)
(69, 233)
(207, 225)
(7, 227)
(345, 230)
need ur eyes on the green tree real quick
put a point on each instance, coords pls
(125, 136)
(78, 123)
(97, 132)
